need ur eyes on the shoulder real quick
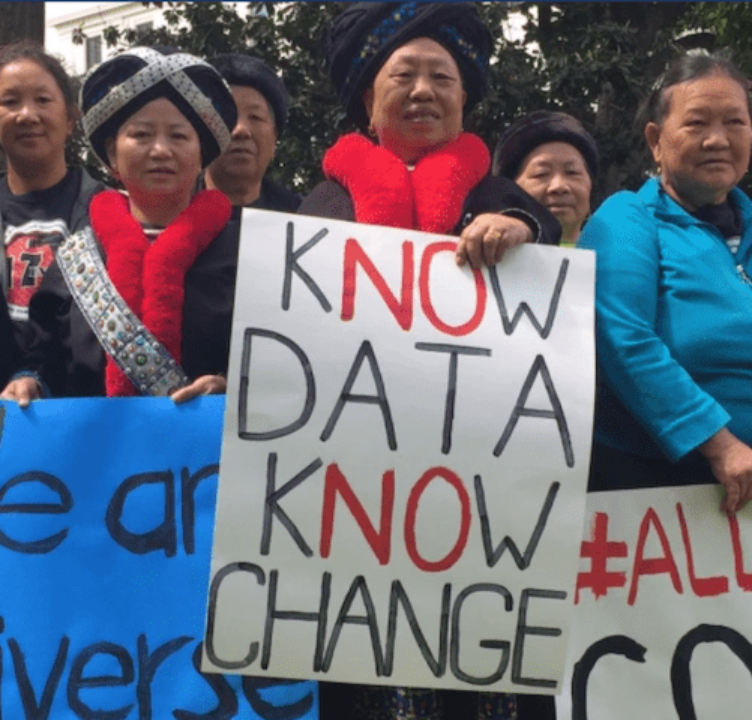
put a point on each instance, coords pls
(4, 190)
(743, 202)
(329, 199)
(620, 217)
(88, 187)
(277, 197)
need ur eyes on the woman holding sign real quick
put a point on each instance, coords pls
(407, 74)
(674, 295)
(141, 302)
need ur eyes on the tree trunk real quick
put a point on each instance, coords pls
(21, 21)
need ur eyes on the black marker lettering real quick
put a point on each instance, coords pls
(455, 351)
(523, 308)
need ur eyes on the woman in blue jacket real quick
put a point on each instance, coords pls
(674, 295)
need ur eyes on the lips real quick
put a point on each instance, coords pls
(241, 150)
(422, 115)
(161, 171)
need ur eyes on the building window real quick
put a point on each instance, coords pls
(93, 51)
(143, 30)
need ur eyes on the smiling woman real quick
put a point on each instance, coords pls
(41, 200)
(152, 316)
(415, 103)
(407, 73)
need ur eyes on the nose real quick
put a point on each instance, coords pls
(28, 112)
(160, 147)
(558, 183)
(716, 137)
(241, 131)
(422, 88)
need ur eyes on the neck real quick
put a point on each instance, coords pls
(410, 154)
(22, 180)
(570, 236)
(239, 190)
(694, 197)
(160, 211)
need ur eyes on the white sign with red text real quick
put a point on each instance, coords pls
(663, 625)
(405, 458)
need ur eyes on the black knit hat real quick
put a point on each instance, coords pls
(363, 37)
(535, 129)
(255, 73)
(119, 87)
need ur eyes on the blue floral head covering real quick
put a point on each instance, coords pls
(363, 37)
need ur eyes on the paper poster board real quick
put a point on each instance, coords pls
(404, 463)
(662, 627)
(106, 515)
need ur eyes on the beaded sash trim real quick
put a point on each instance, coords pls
(143, 359)
(160, 67)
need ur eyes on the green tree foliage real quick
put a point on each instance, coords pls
(593, 60)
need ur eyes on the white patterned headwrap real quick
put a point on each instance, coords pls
(104, 95)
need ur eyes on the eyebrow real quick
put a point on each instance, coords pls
(548, 163)
(151, 123)
(435, 61)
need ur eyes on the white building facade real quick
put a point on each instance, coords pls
(90, 20)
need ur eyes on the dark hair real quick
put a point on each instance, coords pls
(686, 68)
(29, 50)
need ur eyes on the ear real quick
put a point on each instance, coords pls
(653, 136)
(73, 116)
(368, 102)
(109, 146)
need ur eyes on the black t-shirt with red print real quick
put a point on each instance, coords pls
(33, 225)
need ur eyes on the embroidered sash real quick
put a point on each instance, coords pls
(143, 359)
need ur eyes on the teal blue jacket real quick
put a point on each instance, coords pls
(674, 325)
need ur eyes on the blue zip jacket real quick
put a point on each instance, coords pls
(674, 321)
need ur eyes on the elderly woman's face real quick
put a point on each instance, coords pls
(556, 175)
(157, 156)
(703, 144)
(415, 104)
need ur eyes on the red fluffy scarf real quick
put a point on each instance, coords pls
(150, 275)
(385, 192)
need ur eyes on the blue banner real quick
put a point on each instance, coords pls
(106, 516)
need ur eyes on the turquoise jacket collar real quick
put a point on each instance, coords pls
(666, 208)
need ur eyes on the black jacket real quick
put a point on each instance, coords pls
(491, 195)
(69, 357)
(276, 197)
(9, 352)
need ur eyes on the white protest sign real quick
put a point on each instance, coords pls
(663, 627)
(405, 458)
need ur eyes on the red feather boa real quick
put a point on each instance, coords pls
(150, 275)
(385, 192)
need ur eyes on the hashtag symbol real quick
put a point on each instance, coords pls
(599, 550)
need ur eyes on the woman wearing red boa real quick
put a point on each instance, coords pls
(155, 117)
(407, 73)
